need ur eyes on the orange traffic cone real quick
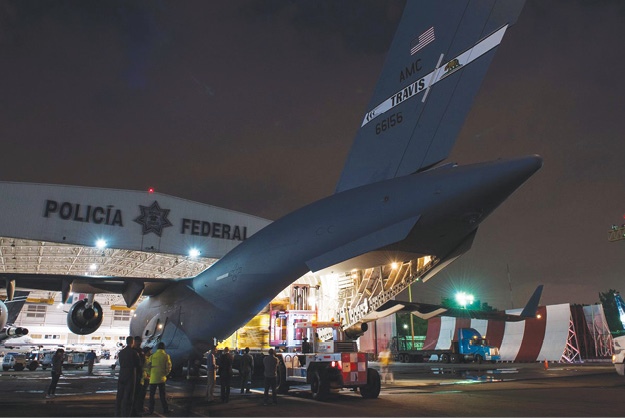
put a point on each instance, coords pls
(546, 364)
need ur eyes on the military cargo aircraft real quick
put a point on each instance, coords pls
(395, 194)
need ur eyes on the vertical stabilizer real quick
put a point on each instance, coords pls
(433, 70)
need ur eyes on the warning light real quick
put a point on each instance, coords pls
(538, 316)
(151, 190)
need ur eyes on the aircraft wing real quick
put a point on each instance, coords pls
(427, 311)
(131, 288)
(433, 70)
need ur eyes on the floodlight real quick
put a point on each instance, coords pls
(464, 299)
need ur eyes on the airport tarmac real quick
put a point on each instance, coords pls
(591, 389)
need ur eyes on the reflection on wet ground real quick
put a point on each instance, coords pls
(473, 376)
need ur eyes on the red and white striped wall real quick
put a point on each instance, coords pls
(525, 341)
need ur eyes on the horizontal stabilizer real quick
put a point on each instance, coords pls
(362, 245)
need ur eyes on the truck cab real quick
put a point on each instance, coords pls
(473, 347)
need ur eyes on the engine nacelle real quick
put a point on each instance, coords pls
(356, 330)
(82, 319)
(4, 314)
(14, 332)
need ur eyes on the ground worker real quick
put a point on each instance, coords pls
(57, 370)
(137, 408)
(90, 362)
(306, 347)
(128, 364)
(270, 363)
(225, 374)
(246, 370)
(385, 365)
(211, 374)
(145, 383)
(160, 366)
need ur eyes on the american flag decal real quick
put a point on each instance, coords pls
(422, 41)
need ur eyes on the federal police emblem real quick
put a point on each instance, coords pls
(153, 218)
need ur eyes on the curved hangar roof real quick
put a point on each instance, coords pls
(51, 229)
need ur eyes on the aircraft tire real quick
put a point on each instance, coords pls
(372, 389)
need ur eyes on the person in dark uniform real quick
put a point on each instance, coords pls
(57, 370)
(137, 408)
(306, 347)
(225, 374)
(129, 363)
(246, 369)
(90, 362)
(270, 364)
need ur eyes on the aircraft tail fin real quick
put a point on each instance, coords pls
(620, 305)
(433, 70)
(532, 304)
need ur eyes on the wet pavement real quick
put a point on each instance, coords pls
(417, 390)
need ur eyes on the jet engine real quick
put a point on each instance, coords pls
(356, 330)
(84, 318)
(4, 314)
(13, 332)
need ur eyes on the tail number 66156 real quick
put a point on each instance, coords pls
(388, 123)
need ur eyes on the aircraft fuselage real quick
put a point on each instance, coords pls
(446, 203)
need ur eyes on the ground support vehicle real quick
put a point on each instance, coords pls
(74, 359)
(332, 366)
(618, 358)
(15, 361)
(33, 359)
(470, 346)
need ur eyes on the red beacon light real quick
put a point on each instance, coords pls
(151, 190)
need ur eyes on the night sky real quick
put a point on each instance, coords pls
(254, 105)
